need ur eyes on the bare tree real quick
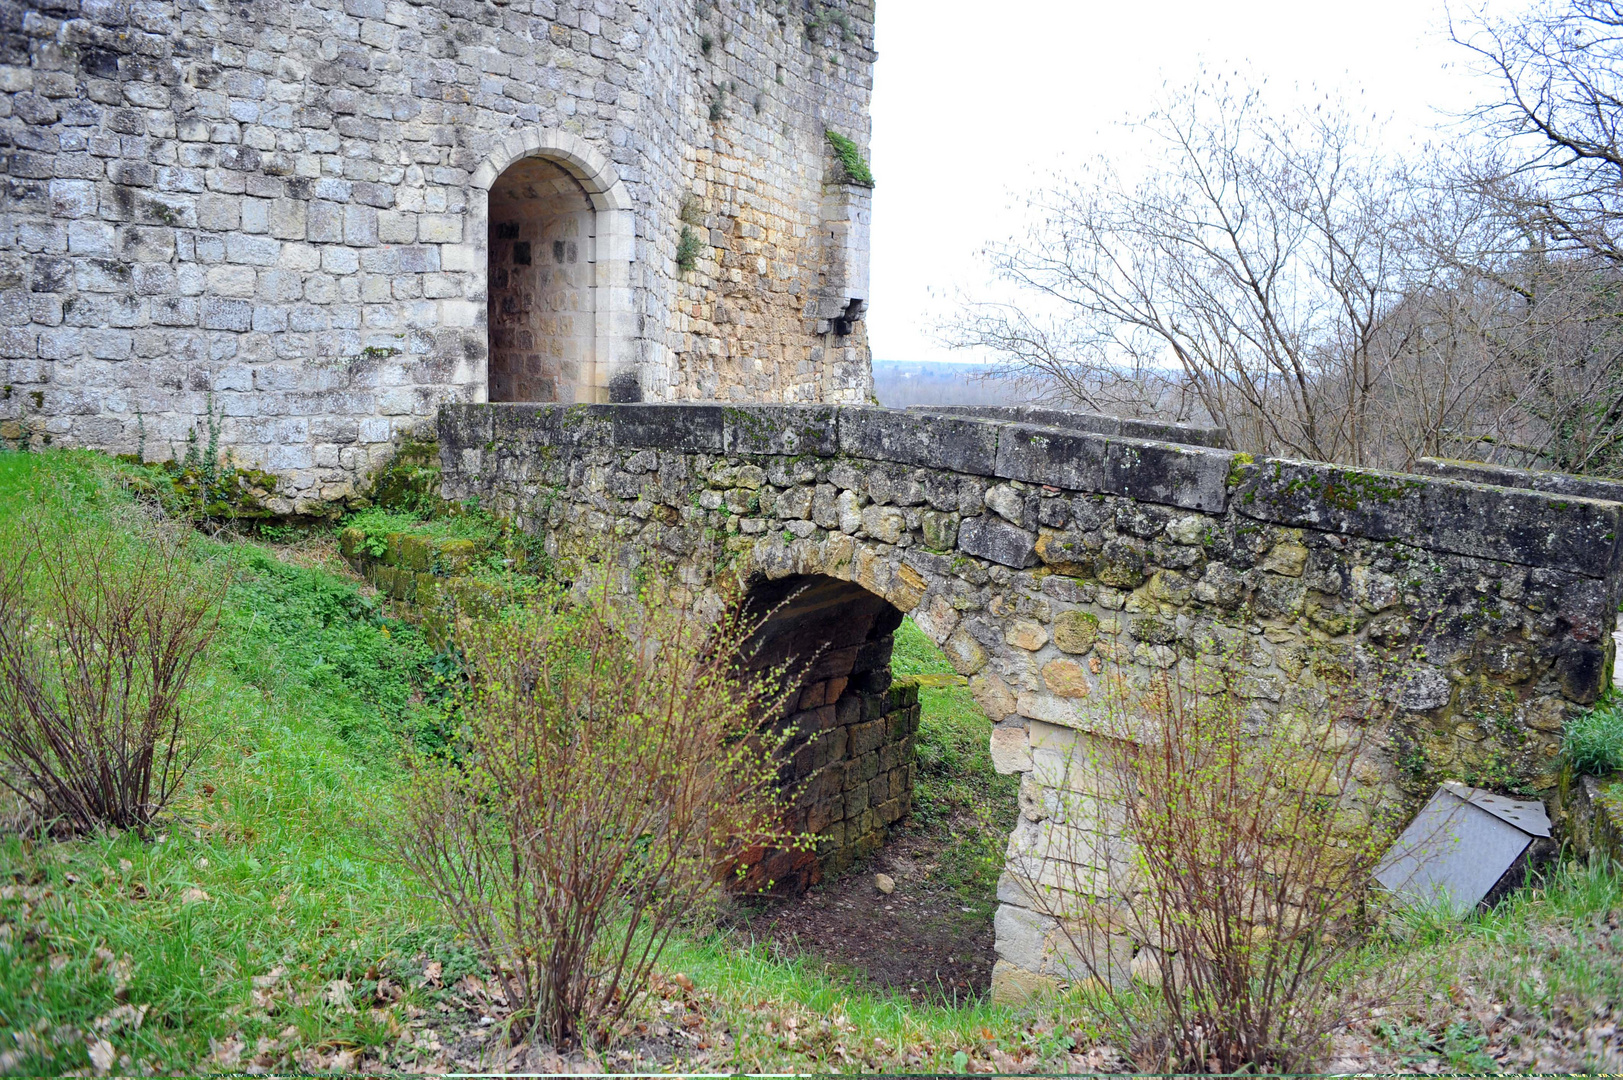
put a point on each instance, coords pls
(1283, 277)
(1556, 122)
(1552, 182)
(1248, 279)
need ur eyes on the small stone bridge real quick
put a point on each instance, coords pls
(1035, 547)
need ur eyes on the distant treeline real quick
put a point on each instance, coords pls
(898, 384)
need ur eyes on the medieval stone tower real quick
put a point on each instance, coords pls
(325, 218)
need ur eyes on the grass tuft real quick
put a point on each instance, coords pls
(1593, 742)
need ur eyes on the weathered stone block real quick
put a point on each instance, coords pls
(1076, 631)
(997, 541)
(966, 446)
(884, 523)
(1066, 678)
(782, 429)
(866, 737)
(1011, 753)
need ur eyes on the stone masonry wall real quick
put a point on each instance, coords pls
(279, 209)
(1041, 558)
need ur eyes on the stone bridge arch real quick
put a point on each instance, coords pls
(1038, 548)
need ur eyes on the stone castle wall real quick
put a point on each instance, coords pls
(281, 210)
(1043, 558)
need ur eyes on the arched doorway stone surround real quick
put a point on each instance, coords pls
(611, 374)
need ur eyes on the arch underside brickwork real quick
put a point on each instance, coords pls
(849, 765)
(1038, 556)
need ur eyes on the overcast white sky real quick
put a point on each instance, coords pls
(976, 101)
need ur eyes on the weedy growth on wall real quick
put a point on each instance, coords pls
(688, 249)
(1593, 741)
(850, 159)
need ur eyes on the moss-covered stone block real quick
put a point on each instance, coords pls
(411, 552)
(454, 556)
(1076, 631)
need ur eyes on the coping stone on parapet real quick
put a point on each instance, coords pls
(1532, 528)
(959, 444)
(1556, 483)
(1216, 438)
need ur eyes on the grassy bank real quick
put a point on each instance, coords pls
(265, 925)
(266, 919)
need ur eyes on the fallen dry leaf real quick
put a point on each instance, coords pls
(101, 1056)
(227, 1053)
(270, 977)
(129, 1016)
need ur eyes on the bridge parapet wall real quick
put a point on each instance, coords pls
(1041, 559)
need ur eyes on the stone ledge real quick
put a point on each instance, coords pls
(1530, 528)
(1555, 483)
(961, 445)
(1542, 528)
(1170, 473)
(1216, 438)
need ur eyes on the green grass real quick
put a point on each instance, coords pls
(1549, 955)
(1593, 742)
(505, 555)
(274, 862)
(380, 521)
(956, 789)
(301, 706)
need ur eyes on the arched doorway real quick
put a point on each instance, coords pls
(563, 328)
(850, 766)
(542, 284)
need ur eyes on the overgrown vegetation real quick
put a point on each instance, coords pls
(850, 158)
(1593, 742)
(1227, 855)
(263, 924)
(956, 791)
(229, 931)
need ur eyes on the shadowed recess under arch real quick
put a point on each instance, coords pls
(849, 767)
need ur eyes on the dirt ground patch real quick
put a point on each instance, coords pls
(926, 939)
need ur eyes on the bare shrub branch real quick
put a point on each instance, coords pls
(98, 642)
(613, 771)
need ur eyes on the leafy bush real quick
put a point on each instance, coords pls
(609, 773)
(98, 641)
(1594, 741)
